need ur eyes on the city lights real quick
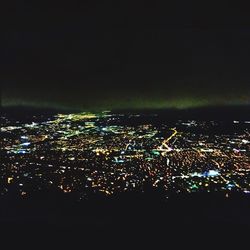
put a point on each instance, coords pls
(111, 153)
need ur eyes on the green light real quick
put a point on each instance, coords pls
(155, 152)
(194, 186)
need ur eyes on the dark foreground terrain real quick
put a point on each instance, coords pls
(129, 221)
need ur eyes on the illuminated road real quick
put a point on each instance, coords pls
(171, 136)
(164, 146)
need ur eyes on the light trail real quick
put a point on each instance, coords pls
(164, 147)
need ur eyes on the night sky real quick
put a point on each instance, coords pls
(125, 54)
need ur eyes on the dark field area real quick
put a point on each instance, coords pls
(130, 221)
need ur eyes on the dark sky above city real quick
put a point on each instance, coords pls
(125, 54)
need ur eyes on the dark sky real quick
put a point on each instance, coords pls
(125, 54)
